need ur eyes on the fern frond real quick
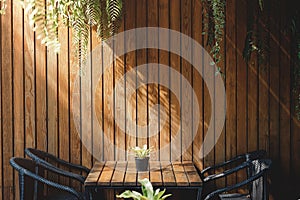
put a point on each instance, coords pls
(93, 11)
(114, 11)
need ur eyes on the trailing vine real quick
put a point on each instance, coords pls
(214, 28)
(46, 16)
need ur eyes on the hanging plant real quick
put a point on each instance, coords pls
(214, 26)
(46, 16)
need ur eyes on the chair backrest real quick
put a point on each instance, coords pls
(29, 187)
(259, 189)
(257, 180)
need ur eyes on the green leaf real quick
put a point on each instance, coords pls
(130, 194)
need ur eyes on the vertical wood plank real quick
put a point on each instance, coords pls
(18, 80)
(1, 114)
(220, 147)
(1, 125)
(252, 88)
(18, 88)
(130, 58)
(7, 99)
(75, 142)
(186, 71)
(175, 83)
(263, 84)
(41, 96)
(241, 20)
(274, 84)
(141, 59)
(208, 103)
(284, 89)
(63, 97)
(108, 110)
(197, 80)
(96, 98)
(119, 73)
(153, 98)
(52, 96)
(164, 93)
(30, 89)
(231, 82)
(86, 110)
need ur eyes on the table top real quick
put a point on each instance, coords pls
(161, 173)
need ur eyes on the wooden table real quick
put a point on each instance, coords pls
(162, 174)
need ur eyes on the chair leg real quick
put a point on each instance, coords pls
(21, 185)
(199, 194)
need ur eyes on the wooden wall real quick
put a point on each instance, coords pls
(37, 85)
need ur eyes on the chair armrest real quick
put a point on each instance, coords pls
(236, 186)
(227, 172)
(62, 172)
(52, 157)
(53, 184)
(236, 159)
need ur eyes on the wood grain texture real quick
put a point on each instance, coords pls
(7, 99)
(152, 94)
(164, 93)
(284, 96)
(241, 120)
(186, 92)
(175, 84)
(63, 98)
(155, 173)
(130, 63)
(198, 83)
(231, 82)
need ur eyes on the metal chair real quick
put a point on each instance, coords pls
(257, 182)
(32, 182)
(250, 156)
(55, 163)
(232, 163)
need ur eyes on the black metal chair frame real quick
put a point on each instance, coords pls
(248, 165)
(40, 157)
(17, 163)
(254, 155)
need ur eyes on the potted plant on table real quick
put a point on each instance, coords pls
(147, 192)
(142, 156)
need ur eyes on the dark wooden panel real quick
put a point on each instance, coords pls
(231, 81)
(241, 121)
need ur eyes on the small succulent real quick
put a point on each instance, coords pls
(141, 152)
(147, 190)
